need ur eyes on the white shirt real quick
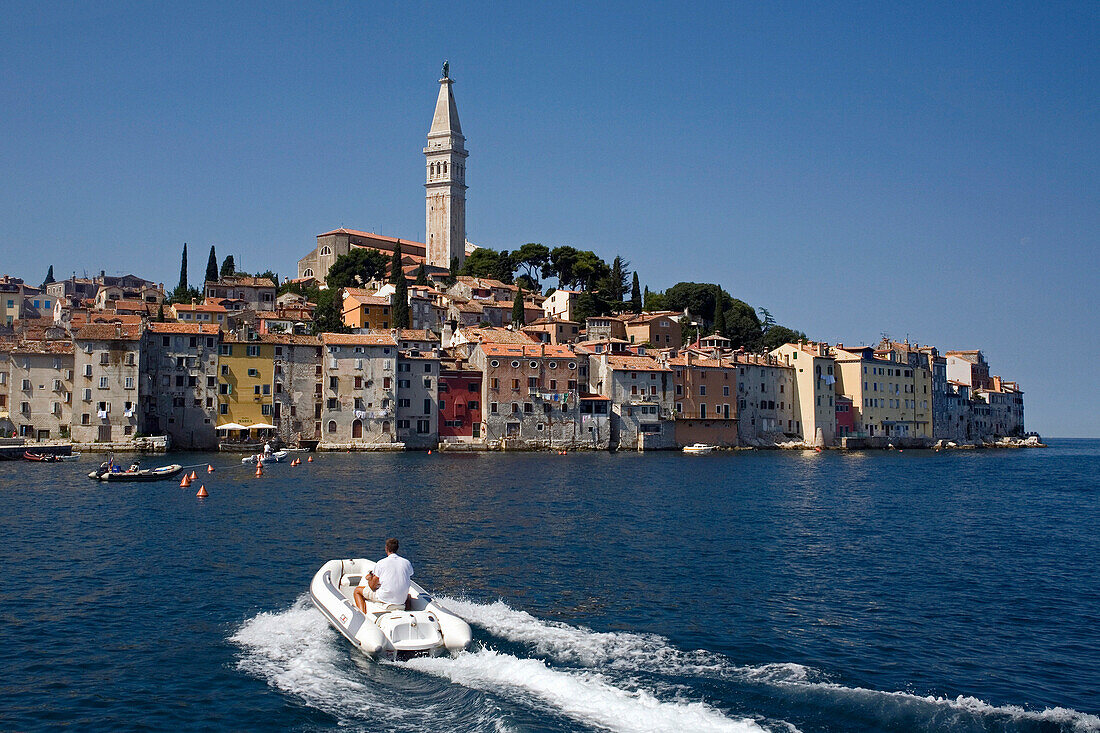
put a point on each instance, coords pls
(393, 573)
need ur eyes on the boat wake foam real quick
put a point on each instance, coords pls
(642, 653)
(585, 696)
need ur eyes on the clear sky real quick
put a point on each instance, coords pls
(920, 169)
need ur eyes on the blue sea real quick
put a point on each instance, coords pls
(779, 591)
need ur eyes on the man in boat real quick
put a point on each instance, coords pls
(388, 583)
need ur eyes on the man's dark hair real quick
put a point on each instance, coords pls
(391, 544)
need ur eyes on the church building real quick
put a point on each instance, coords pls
(444, 204)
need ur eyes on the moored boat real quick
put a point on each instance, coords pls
(699, 448)
(275, 457)
(41, 457)
(103, 473)
(425, 628)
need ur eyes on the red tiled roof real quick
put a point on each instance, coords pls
(107, 332)
(490, 334)
(198, 308)
(359, 339)
(209, 329)
(635, 363)
(527, 350)
(44, 347)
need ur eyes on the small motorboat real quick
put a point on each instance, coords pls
(71, 457)
(275, 457)
(41, 457)
(424, 628)
(107, 473)
(699, 449)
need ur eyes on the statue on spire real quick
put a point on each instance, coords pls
(446, 70)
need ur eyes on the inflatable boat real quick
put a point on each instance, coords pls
(275, 457)
(425, 628)
(103, 473)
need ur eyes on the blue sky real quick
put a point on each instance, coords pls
(923, 169)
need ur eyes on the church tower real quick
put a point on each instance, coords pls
(445, 204)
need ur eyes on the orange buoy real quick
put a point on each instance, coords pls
(185, 481)
(429, 452)
(202, 492)
(309, 459)
(194, 476)
(259, 469)
(209, 468)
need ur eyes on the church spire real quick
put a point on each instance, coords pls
(445, 121)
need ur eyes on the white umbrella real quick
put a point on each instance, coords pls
(261, 426)
(232, 426)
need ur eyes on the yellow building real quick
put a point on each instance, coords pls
(246, 370)
(363, 309)
(890, 398)
(814, 397)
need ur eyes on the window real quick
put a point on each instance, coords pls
(702, 389)
(103, 383)
(87, 395)
(403, 402)
(253, 350)
(492, 408)
(87, 370)
(334, 383)
(427, 382)
(332, 426)
(265, 409)
(256, 389)
(428, 367)
(253, 372)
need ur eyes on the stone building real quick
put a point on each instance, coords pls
(178, 390)
(40, 390)
(604, 328)
(107, 359)
(257, 292)
(641, 392)
(460, 406)
(765, 399)
(661, 330)
(532, 392)
(337, 242)
(553, 331)
(705, 392)
(1005, 401)
(297, 386)
(890, 398)
(359, 389)
(417, 410)
(814, 390)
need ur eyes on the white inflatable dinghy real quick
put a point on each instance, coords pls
(275, 457)
(425, 628)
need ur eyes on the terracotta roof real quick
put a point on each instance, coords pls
(702, 361)
(380, 237)
(635, 363)
(107, 332)
(194, 328)
(646, 317)
(133, 305)
(496, 335)
(290, 339)
(359, 339)
(527, 350)
(369, 299)
(413, 334)
(44, 347)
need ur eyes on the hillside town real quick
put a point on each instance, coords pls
(381, 343)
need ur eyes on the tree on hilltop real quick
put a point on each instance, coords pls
(518, 317)
(395, 265)
(356, 268)
(228, 267)
(421, 275)
(400, 307)
(49, 277)
(212, 266)
(636, 296)
(183, 269)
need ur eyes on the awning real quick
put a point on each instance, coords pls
(261, 426)
(231, 426)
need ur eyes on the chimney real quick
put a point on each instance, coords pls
(118, 330)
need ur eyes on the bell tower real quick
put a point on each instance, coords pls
(445, 201)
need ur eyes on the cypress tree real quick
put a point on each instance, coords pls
(160, 313)
(517, 309)
(183, 269)
(400, 309)
(49, 277)
(635, 296)
(212, 266)
(395, 266)
(421, 275)
(228, 266)
(452, 276)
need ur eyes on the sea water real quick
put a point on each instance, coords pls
(731, 592)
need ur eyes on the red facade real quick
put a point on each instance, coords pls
(460, 404)
(845, 417)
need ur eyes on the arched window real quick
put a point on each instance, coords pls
(332, 426)
(385, 426)
(326, 250)
(308, 272)
(444, 167)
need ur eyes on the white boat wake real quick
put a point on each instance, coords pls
(598, 685)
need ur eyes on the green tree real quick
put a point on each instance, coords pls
(589, 269)
(212, 266)
(400, 307)
(589, 305)
(655, 300)
(562, 260)
(160, 313)
(525, 282)
(743, 327)
(518, 318)
(328, 317)
(228, 267)
(617, 282)
(505, 267)
(719, 320)
(183, 269)
(776, 336)
(49, 277)
(534, 258)
(395, 265)
(356, 268)
(636, 296)
(482, 262)
(452, 274)
(700, 299)
(421, 275)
